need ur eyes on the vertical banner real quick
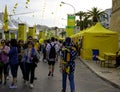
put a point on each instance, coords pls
(12, 36)
(22, 35)
(6, 35)
(69, 30)
(32, 32)
(5, 24)
(70, 20)
(70, 25)
(42, 35)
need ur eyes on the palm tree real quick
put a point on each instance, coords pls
(96, 14)
(84, 20)
(79, 22)
(80, 14)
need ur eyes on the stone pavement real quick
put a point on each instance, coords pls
(112, 75)
(85, 80)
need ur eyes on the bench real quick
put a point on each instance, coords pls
(102, 60)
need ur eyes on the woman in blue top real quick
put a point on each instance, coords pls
(13, 60)
(31, 58)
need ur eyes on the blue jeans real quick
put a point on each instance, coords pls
(71, 80)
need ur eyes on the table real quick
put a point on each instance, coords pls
(109, 57)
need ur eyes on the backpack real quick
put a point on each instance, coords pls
(52, 53)
(66, 54)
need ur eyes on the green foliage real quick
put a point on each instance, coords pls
(89, 18)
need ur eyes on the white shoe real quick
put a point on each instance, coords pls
(26, 83)
(31, 86)
(12, 86)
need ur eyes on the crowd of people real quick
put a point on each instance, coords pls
(26, 55)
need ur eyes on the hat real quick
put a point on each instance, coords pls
(68, 41)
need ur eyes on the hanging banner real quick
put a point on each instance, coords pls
(35, 30)
(69, 30)
(32, 32)
(12, 36)
(6, 35)
(22, 35)
(42, 35)
(5, 24)
(70, 20)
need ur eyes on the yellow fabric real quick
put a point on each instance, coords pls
(36, 46)
(69, 31)
(71, 20)
(22, 32)
(99, 38)
(5, 25)
(32, 32)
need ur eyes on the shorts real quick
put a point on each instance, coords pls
(51, 63)
(14, 69)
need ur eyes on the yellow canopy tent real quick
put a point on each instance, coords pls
(98, 38)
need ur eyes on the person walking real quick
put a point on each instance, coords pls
(13, 60)
(51, 50)
(4, 61)
(67, 64)
(20, 58)
(31, 58)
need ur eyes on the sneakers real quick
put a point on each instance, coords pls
(13, 86)
(31, 86)
(49, 73)
(52, 74)
(26, 83)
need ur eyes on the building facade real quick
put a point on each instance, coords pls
(115, 19)
(106, 22)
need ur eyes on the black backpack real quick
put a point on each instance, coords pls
(52, 53)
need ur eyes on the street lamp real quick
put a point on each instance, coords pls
(69, 5)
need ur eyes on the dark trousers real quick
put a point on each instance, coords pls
(14, 70)
(30, 71)
(4, 68)
(118, 61)
(71, 80)
(23, 70)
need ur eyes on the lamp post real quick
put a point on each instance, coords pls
(69, 5)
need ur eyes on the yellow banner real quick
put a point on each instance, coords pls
(69, 30)
(22, 32)
(32, 32)
(5, 24)
(71, 20)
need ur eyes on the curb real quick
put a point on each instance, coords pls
(110, 82)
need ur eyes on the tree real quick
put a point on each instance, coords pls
(84, 20)
(79, 22)
(96, 14)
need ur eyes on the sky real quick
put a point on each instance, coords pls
(49, 12)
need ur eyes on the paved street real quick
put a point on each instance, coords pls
(85, 81)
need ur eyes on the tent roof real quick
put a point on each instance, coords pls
(98, 28)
